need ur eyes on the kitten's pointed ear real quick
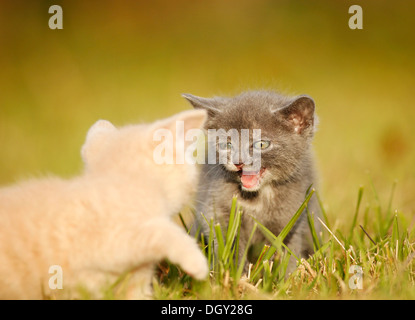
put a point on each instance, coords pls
(193, 119)
(176, 132)
(299, 113)
(211, 105)
(95, 138)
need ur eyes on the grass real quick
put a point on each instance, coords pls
(55, 85)
(373, 258)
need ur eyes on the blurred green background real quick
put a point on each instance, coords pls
(129, 61)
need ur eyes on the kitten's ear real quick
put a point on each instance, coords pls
(299, 113)
(192, 119)
(177, 131)
(95, 138)
(209, 104)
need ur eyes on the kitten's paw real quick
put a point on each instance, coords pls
(195, 265)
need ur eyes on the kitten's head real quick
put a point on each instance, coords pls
(281, 152)
(130, 153)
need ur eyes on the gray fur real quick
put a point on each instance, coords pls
(289, 123)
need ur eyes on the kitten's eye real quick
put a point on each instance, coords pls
(225, 145)
(262, 144)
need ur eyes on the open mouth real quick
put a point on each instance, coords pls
(250, 180)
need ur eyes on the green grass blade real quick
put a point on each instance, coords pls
(261, 258)
(231, 219)
(382, 229)
(211, 249)
(320, 252)
(310, 220)
(219, 238)
(231, 233)
(203, 244)
(244, 257)
(395, 230)
(237, 243)
(267, 233)
(284, 232)
(268, 277)
(277, 241)
(277, 245)
(359, 200)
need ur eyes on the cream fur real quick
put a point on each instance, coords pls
(114, 218)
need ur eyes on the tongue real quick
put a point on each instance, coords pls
(250, 179)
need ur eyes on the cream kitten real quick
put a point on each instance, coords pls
(114, 218)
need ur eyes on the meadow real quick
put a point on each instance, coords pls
(129, 62)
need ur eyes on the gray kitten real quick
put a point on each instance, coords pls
(273, 191)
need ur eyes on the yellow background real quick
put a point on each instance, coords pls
(129, 61)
